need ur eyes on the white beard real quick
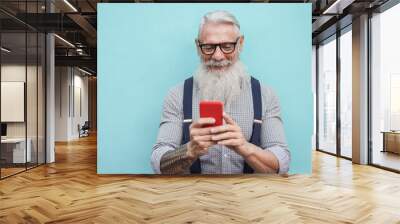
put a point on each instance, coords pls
(222, 86)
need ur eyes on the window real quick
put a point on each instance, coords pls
(327, 96)
(385, 89)
(346, 93)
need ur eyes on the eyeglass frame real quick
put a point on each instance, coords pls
(199, 44)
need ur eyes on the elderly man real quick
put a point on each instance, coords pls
(252, 137)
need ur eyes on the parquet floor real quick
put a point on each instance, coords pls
(10, 171)
(70, 191)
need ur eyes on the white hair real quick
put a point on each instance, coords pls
(223, 86)
(218, 17)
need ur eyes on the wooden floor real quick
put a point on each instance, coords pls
(5, 172)
(70, 191)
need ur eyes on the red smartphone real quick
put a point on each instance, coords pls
(212, 109)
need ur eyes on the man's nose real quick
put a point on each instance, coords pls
(218, 54)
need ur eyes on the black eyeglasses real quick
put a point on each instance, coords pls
(226, 47)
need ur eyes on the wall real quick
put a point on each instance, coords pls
(71, 102)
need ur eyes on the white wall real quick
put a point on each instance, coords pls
(70, 84)
(81, 84)
(62, 81)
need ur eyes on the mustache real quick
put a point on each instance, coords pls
(215, 63)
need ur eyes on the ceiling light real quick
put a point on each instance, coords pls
(70, 5)
(5, 50)
(65, 41)
(84, 71)
(338, 6)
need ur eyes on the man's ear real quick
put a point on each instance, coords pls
(197, 46)
(241, 41)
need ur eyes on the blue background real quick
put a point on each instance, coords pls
(145, 49)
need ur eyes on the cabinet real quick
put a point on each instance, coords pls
(391, 142)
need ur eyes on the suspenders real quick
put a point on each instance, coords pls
(187, 119)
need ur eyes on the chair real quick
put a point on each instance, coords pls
(84, 130)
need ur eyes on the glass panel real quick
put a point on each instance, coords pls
(314, 91)
(32, 90)
(327, 96)
(386, 89)
(31, 101)
(41, 99)
(346, 94)
(395, 102)
(13, 86)
(22, 88)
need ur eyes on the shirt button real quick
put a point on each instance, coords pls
(226, 155)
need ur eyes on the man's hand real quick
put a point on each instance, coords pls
(229, 135)
(200, 138)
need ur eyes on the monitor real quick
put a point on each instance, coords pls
(3, 129)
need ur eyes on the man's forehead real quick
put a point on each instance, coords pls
(218, 32)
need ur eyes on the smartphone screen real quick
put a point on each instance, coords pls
(212, 109)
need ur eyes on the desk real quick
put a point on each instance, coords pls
(15, 148)
(391, 141)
